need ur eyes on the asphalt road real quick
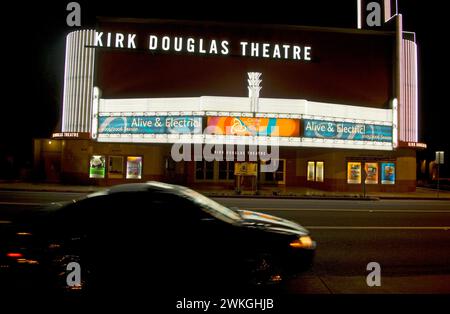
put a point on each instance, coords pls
(410, 240)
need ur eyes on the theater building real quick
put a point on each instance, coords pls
(237, 106)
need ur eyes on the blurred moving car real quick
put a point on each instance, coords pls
(152, 234)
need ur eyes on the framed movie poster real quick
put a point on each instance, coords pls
(387, 173)
(134, 167)
(371, 169)
(97, 166)
(354, 173)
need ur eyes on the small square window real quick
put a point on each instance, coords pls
(311, 171)
(115, 167)
(319, 171)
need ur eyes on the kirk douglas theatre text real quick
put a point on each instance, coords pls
(201, 46)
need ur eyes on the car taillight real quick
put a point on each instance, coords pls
(14, 255)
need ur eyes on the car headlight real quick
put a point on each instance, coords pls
(303, 242)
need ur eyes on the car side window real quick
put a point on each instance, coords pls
(178, 207)
(123, 212)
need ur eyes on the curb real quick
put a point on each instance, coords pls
(419, 198)
(338, 198)
(311, 197)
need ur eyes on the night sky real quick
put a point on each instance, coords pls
(34, 47)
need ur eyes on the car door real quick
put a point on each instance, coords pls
(202, 247)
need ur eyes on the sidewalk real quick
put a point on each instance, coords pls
(308, 193)
(48, 187)
(298, 192)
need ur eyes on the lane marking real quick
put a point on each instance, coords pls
(22, 203)
(446, 228)
(355, 210)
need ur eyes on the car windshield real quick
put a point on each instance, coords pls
(212, 207)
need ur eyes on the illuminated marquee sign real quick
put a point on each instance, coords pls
(149, 125)
(241, 126)
(412, 144)
(68, 135)
(346, 131)
(180, 44)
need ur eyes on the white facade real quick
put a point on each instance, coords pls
(409, 93)
(78, 82)
(81, 108)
